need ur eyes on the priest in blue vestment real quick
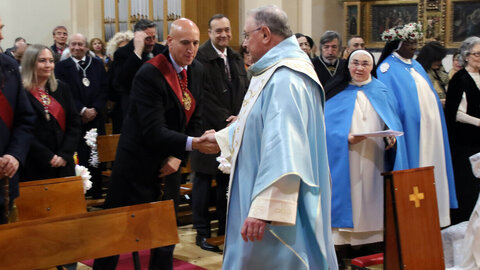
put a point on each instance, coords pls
(279, 193)
(420, 111)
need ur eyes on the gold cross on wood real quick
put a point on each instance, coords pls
(416, 196)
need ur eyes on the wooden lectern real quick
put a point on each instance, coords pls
(412, 228)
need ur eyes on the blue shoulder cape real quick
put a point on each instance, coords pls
(398, 79)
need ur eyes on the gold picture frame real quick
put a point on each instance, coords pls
(353, 19)
(463, 20)
(382, 15)
(434, 23)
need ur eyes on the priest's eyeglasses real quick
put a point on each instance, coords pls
(476, 54)
(246, 35)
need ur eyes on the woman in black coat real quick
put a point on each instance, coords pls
(462, 112)
(57, 128)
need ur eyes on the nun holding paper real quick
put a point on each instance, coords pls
(358, 103)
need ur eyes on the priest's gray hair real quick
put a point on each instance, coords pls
(272, 17)
(465, 49)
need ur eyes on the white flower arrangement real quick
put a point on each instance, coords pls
(410, 31)
(85, 174)
(91, 140)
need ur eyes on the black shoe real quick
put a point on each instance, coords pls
(202, 243)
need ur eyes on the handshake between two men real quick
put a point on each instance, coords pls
(207, 143)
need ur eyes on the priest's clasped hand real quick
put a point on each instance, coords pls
(207, 143)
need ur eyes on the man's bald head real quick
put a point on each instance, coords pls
(183, 24)
(183, 41)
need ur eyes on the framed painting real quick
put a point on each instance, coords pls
(463, 20)
(353, 19)
(383, 15)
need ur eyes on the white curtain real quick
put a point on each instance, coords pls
(158, 17)
(123, 15)
(109, 14)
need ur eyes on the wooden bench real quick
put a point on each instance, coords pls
(107, 149)
(47, 236)
(51, 198)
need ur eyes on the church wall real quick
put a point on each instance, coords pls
(326, 15)
(34, 20)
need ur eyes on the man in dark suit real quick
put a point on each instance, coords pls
(164, 112)
(224, 87)
(88, 82)
(16, 127)
(128, 59)
(328, 63)
(18, 49)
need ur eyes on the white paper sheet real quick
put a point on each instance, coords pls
(381, 133)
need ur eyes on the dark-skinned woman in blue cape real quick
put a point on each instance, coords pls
(358, 103)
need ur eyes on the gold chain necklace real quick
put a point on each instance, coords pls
(186, 99)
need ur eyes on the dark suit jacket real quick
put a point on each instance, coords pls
(127, 63)
(50, 139)
(154, 129)
(221, 97)
(124, 67)
(15, 141)
(322, 72)
(56, 55)
(94, 96)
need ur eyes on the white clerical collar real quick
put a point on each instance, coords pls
(218, 51)
(405, 60)
(362, 83)
(177, 68)
(76, 60)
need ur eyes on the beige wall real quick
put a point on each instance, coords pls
(36, 19)
(327, 15)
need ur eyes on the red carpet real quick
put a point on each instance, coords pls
(126, 262)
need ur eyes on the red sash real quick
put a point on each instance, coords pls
(6, 111)
(52, 105)
(166, 68)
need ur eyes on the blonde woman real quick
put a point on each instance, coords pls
(57, 126)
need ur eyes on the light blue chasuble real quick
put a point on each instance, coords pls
(395, 74)
(283, 138)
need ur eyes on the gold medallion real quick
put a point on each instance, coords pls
(187, 101)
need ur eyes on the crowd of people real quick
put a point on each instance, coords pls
(289, 128)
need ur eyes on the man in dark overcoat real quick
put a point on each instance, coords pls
(127, 61)
(164, 114)
(16, 127)
(224, 87)
(87, 79)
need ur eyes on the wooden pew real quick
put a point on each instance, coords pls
(107, 149)
(55, 228)
(51, 198)
(43, 243)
